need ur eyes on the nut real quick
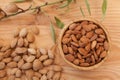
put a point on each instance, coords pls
(19, 50)
(44, 77)
(18, 73)
(69, 57)
(14, 43)
(2, 65)
(30, 37)
(57, 76)
(47, 62)
(12, 64)
(20, 42)
(50, 74)
(43, 57)
(12, 8)
(26, 66)
(37, 65)
(93, 44)
(31, 51)
(30, 58)
(20, 63)
(23, 32)
(2, 73)
(43, 51)
(43, 71)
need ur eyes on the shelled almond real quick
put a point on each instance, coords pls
(85, 43)
(22, 60)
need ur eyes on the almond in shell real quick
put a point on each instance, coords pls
(30, 37)
(26, 66)
(14, 43)
(37, 65)
(48, 62)
(23, 32)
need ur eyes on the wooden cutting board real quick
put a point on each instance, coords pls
(110, 70)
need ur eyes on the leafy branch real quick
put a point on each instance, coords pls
(37, 8)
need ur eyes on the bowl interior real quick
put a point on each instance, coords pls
(60, 44)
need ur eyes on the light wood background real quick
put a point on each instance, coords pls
(110, 70)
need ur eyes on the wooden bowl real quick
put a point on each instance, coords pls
(61, 51)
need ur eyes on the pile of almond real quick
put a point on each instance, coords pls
(21, 60)
(85, 43)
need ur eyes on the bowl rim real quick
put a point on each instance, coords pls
(60, 45)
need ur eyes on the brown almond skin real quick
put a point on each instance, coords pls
(93, 59)
(103, 54)
(76, 61)
(93, 37)
(99, 31)
(89, 34)
(69, 57)
(75, 44)
(106, 46)
(88, 47)
(65, 49)
(82, 51)
(79, 56)
(93, 26)
(93, 45)
(82, 60)
(70, 50)
(65, 40)
(87, 28)
(95, 55)
(78, 27)
(73, 37)
(84, 23)
(72, 26)
(84, 39)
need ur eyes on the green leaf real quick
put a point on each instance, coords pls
(59, 23)
(19, 1)
(66, 4)
(104, 8)
(52, 32)
(88, 6)
(82, 12)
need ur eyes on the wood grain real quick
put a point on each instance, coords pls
(110, 70)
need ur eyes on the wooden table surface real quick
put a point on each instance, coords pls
(110, 70)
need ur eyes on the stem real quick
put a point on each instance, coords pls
(37, 7)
